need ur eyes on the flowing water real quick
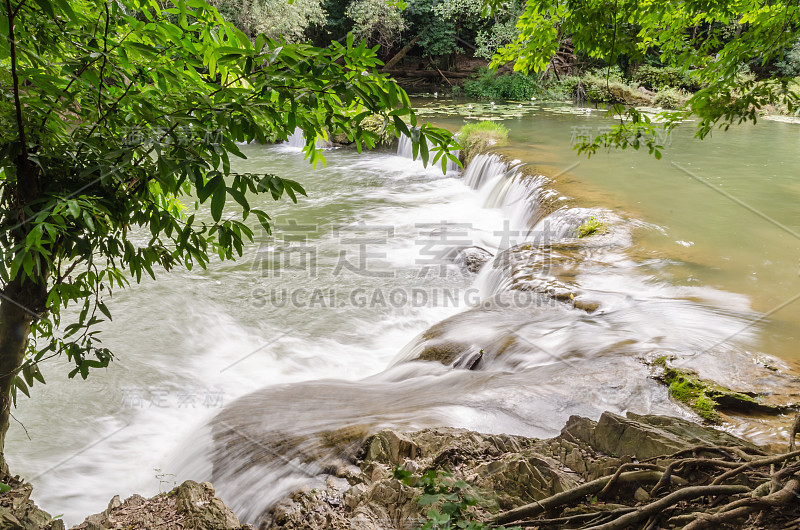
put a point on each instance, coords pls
(397, 296)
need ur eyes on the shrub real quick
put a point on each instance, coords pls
(589, 227)
(789, 66)
(613, 91)
(477, 137)
(515, 86)
(670, 98)
(566, 88)
(657, 78)
(613, 73)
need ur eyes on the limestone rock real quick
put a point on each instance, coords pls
(644, 437)
(190, 506)
(503, 471)
(18, 512)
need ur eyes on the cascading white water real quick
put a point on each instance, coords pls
(509, 336)
(298, 141)
(405, 149)
(314, 371)
(482, 168)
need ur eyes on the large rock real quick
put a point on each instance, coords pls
(190, 506)
(504, 471)
(18, 512)
(644, 437)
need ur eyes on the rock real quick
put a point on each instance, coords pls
(392, 447)
(190, 506)
(504, 472)
(641, 495)
(645, 437)
(18, 512)
(473, 258)
(709, 398)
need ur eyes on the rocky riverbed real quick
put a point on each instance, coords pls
(501, 476)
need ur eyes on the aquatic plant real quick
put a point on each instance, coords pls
(589, 227)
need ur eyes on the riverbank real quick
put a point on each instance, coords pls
(594, 472)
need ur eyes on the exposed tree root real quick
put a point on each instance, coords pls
(690, 492)
(565, 497)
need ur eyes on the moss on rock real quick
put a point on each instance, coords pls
(707, 398)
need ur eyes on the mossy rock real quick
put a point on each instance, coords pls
(707, 398)
(476, 138)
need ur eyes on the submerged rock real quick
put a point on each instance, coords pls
(473, 258)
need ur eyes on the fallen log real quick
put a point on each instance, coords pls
(427, 73)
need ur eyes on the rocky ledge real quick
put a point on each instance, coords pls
(190, 506)
(618, 472)
(513, 479)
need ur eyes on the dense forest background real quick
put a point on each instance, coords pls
(448, 44)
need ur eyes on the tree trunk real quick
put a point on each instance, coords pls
(20, 305)
(399, 55)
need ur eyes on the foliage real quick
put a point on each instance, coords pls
(452, 498)
(589, 227)
(612, 90)
(670, 98)
(119, 123)
(655, 78)
(443, 25)
(377, 21)
(487, 41)
(515, 87)
(712, 38)
(475, 138)
(789, 64)
(277, 19)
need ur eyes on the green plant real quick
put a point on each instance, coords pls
(377, 21)
(604, 90)
(789, 64)
(670, 98)
(633, 30)
(278, 19)
(516, 86)
(658, 78)
(589, 227)
(449, 500)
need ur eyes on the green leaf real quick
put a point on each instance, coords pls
(218, 202)
(47, 7)
(102, 307)
(427, 500)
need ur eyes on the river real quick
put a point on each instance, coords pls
(310, 340)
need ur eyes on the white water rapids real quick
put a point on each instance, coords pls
(257, 375)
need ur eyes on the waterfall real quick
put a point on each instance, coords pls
(482, 168)
(404, 147)
(561, 224)
(297, 140)
(452, 166)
